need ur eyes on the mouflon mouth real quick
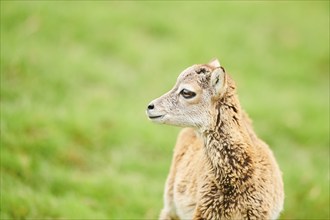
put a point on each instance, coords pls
(156, 116)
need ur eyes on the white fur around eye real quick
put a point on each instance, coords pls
(187, 87)
(187, 94)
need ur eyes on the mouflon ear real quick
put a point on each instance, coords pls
(218, 81)
(215, 63)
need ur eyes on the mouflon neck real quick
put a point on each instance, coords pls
(227, 143)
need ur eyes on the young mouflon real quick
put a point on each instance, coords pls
(220, 168)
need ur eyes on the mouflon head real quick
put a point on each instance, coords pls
(192, 100)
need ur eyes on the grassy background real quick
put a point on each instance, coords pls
(76, 78)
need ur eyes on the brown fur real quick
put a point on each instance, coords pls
(224, 171)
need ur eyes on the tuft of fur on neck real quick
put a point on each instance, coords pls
(227, 143)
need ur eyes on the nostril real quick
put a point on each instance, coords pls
(151, 106)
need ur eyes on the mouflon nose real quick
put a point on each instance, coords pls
(151, 106)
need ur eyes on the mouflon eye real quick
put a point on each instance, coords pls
(187, 94)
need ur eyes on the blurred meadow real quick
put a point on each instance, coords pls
(76, 78)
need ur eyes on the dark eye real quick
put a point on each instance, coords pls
(187, 94)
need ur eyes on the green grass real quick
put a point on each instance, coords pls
(76, 78)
